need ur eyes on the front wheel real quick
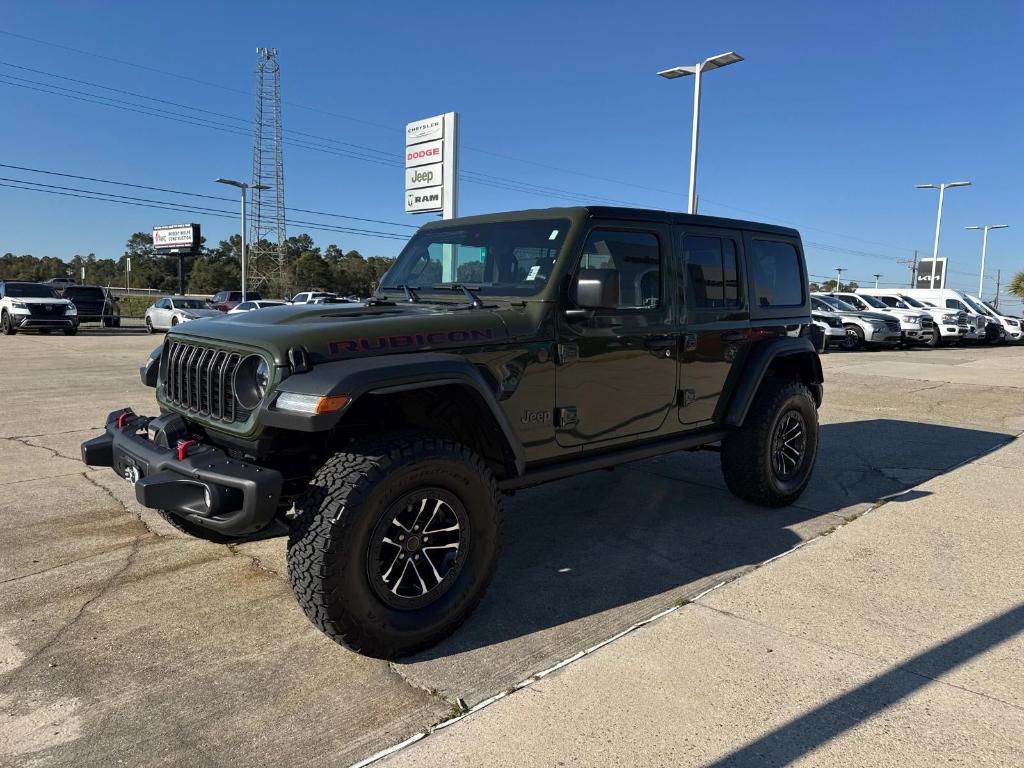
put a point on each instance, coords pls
(768, 461)
(149, 325)
(8, 325)
(395, 542)
(70, 331)
(932, 340)
(854, 338)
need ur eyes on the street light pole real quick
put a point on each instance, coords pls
(938, 218)
(984, 247)
(242, 186)
(876, 276)
(839, 278)
(697, 70)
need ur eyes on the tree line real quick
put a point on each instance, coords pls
(306, 266)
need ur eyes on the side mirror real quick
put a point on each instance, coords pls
(597, 289)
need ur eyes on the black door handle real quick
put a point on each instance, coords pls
(734, 336)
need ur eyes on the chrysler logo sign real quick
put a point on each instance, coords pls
(431, 177)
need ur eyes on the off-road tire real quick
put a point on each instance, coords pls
(330, 565)
(70, 331)
(7, 325)
(851, 343)
(747, 451)
(196, 531)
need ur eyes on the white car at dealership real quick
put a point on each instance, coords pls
(164, 314)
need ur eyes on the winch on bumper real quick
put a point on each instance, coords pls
(172, 471)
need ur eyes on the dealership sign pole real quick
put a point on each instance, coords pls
(432, 173)
(181, 240)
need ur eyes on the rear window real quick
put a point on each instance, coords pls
(75, 292)
(778, 279)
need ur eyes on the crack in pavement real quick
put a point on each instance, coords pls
(70, 624)
(53, 452)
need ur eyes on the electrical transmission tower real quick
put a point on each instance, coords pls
(266, 223)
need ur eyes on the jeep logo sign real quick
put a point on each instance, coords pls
(423, 176)
(431, 174)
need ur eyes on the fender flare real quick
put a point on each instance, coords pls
(756, 366)
(383, 375)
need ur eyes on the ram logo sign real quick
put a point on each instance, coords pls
(423, 200)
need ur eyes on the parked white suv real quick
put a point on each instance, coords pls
(951, 325)
(310, 297)
(862, 328)
(915, 327)
(35, 307)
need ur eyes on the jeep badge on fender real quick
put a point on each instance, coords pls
(500, 352)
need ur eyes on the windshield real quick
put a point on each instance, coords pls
(838, 304)
(510, 258)
(871, 300)
(977, 307)
(29, 291)
(912, 301)
(83, 293)
(189, 304)
(993, 310)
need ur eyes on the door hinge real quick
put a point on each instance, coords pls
(689, 342)
(566, 417)
(568, 353)
(686, 397)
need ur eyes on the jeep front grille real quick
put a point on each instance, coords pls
(200, 380)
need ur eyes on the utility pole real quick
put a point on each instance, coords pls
(995, 301)
(913, 268)
(267, 212)
(876, 276)
(839, 278)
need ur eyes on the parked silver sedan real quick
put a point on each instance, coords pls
(167, 313)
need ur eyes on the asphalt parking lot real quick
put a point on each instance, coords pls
(123, 641)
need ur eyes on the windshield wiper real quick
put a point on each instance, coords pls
(474, 300)
(410, 292)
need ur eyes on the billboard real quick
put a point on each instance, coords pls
(177, 238)
(924, 273)
(431, 165)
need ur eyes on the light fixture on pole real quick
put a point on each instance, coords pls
(242, 186)
(984, 247)
(721, 60)
(938, 219)
(839, 277)
(876, 276)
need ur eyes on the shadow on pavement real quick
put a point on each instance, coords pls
(595, 547)
(808, 732)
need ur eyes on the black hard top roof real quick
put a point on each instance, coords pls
(622, 214)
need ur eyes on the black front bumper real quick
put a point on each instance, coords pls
(206, 486)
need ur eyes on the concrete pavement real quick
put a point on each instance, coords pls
(123, 640)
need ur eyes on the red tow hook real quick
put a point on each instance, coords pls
(123, 417)
(183, 446)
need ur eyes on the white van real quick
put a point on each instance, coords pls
(986, 327)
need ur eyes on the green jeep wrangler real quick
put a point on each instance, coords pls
(500, 352)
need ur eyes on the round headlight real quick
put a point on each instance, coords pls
(252, 377)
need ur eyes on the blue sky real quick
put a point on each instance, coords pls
(838, 110)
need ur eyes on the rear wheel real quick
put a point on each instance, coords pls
(854, 338)
(7, 325)
(395, 542)
(768, 461)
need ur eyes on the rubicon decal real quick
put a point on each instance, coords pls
(410, 341)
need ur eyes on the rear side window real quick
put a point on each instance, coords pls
(954, 304)
(711, 271)
(636, 256)
(778, 279)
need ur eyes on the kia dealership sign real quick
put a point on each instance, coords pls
(431, 165)
(924, 273)
(183, 238)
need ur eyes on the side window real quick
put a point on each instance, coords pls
(954, 304)
(778, 280)
(889, 301)
(163, 304)
(858, 302)
(711, 270)
(636, 257)
(218, 298)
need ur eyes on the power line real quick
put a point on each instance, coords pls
(109, 197)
